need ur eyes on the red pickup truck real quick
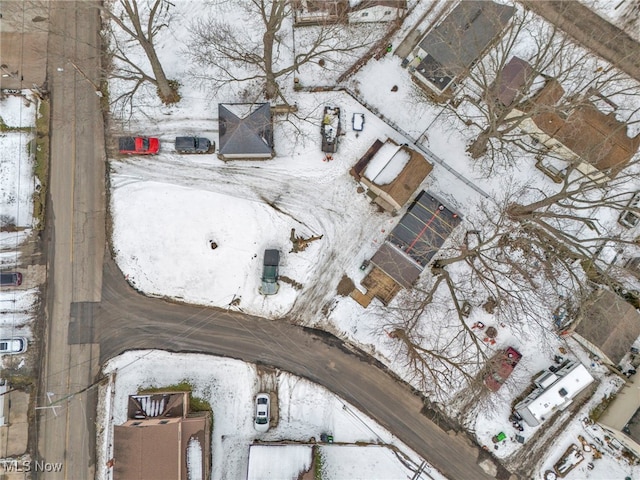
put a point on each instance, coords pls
(138, 145)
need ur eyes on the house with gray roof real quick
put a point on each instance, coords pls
(450, 49)
(245, 131)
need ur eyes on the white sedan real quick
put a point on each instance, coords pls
(261, 422)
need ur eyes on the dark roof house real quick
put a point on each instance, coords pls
(246, 131)
(515, 75)
(158, 438)
(409, 247)
(449, 50)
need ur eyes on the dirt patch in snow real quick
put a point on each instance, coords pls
(346, 286)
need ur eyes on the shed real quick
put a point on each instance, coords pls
(391, 173)
(246, 131)
(377, 11)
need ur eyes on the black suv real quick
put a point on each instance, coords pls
(12, 279)
(193, 145)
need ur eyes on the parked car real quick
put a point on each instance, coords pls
(13, 345)
(357, 122)
(270, 273)
(331, 129)
(12, 279)
(138, 145)
(194, 145)
(261, 422)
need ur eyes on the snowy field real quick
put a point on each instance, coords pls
(167, 209)
(305, 410)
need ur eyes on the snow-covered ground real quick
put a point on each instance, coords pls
(17, 185)
(18, 115)
(622, 13)
(304, 410)
(167, 209)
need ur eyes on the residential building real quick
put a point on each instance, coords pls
(368, 11)
(391, 173)
(516, 75)
(555, 390)
(408, 249)
(319, 12)
(159, 438)
(447, 52)
(245, 131)
(607, 326)
(577, 132)
(621, 419)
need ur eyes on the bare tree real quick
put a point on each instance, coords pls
(142, 23)
(495, 97)
(260, 51)
(520, 257)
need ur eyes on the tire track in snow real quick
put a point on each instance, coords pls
(327, 205)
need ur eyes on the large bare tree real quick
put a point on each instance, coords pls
(520, 257)
(142, 21)
(494, 101)
(261, 51)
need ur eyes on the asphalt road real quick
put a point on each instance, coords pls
(92, 313)
(126, 320)
(65, 428)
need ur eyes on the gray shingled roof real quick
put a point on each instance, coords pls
(251, 134)
(465, 33)
(396, 264)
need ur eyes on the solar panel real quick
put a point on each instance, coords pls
(424, 228)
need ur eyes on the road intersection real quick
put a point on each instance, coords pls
(93, 314)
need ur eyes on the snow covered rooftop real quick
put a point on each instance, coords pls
(541, 402)
(283, 462)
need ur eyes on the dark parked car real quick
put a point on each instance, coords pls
(193, 145)
(11, 279)
(270, 272)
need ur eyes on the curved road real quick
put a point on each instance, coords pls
(126, 320)
(93, 314)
